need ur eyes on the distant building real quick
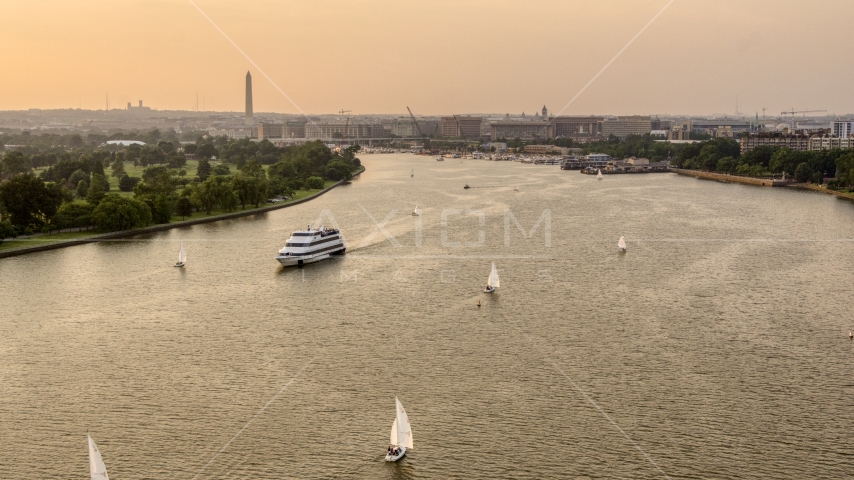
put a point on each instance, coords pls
(625, 126)
(659, 133)
(677, 133)
(315, 131)
(405, 127)
(526, 130)
(799, 142)
(570, 126)
(140, 108)
(234, 132)
(842, 128)
(710, 126)
(461, 126)
(292, 129)
(724, 131)
(829, 142)
(498, 146)
(540, 149)
(637, 161)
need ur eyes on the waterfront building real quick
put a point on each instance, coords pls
(598, 157)
(627, 125)
(799, 142)
(541, 149)
(405, 127)
(830, 142)
(498, 146)
(461, 126)
(526, 130)
(573, 126)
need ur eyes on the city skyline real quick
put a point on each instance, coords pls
(695, 59)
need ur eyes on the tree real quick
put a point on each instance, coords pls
(163, 208)
(338, 170)
(7, 230)
(78, 176)
(803, 172)
(127, 183)
(97, 189)
(206, 151)
(79, 214)
(119, 213)
(98, 167)
(314, 183)
(29, 201)
(204, 169)
(184, 207)
(118, 168)
(82, 189)
(14, 163)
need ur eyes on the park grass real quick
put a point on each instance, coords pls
(45, 239)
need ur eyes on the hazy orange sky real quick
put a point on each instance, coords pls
(441, 56)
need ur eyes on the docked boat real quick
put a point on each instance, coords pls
(401, 435)
(621, 245)
(311, 245)
(97, 469)
(440, 159)
(598, 174)
(182, 256)
(492, 283)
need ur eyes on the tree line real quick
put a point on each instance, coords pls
(75, 190)
(724, 155)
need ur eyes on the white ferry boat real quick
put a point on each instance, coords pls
(311, 245)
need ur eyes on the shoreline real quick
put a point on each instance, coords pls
(720, 177)
(13, 252)
(762, 182)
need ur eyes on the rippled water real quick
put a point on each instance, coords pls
(715, 348)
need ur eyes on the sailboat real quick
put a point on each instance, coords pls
(401, 435)
(182, 256)
(97, 470)
(416, 212)
(412, 174)
(492, 283)
(598, 174)
(621, 245)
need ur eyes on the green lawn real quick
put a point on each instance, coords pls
(41, 240)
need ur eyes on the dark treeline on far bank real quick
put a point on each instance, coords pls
(54, 182)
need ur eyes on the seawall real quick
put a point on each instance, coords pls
(12, 252)
(720, 177)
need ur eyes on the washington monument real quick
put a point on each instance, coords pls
(250, 120)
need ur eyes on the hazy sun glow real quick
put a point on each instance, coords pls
(441, 56)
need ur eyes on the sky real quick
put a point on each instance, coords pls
(437, 57)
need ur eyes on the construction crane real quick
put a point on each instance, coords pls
(420, 134)
(347, 123)
(792, 112)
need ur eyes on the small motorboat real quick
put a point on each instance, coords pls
(467, 186)
(401, 435)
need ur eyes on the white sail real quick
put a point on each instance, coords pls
(96, 465)
(622, 243)
(599, 174)
(403, 430)
(493, 277)
(393, 438)
(182, 254)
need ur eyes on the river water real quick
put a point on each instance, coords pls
(715, 348)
